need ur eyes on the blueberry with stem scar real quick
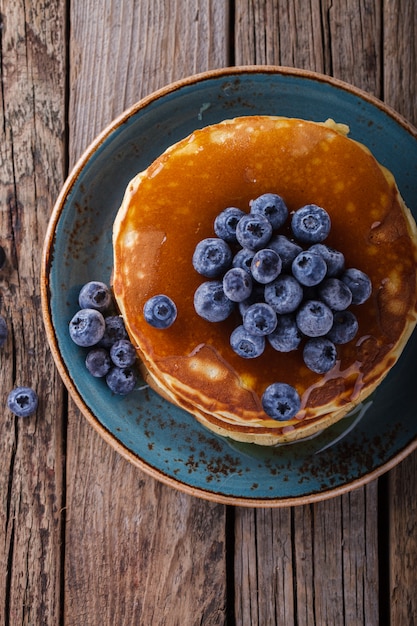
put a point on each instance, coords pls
(160, 311)
(281, 401)
(22, 401)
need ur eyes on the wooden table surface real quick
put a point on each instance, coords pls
(86, 538)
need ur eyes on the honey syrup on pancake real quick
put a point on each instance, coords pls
(172, 206)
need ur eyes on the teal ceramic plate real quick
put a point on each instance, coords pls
(159, 438)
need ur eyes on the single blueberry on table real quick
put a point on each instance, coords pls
(211, 303)
(121, 380)
(22, 401)
(266, 265)
(253, 231)
(335, 293)
(286, 249)
(320, 354)
(226, 222)
(359, 283)
(281, 401)
(335, 259)
(314, 318)
(123, 353)
(309, 268)
(260, 319)
(284, 294)
(212, 257)
(243, 259)
(95, 295)
(87, 327)
(237, 284)
(114, 331)
(310, 224)
(344, 328)
(271, 206)
(286, 336)
(98, 362)
(246, 344)
(160, 311)
(3, 330)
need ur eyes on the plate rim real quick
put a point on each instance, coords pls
(47, 261)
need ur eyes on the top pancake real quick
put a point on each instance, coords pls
(171, 206)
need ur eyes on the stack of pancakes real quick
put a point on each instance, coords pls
(171, 206)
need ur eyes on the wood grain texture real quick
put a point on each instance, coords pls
(123, 569)
(129, 50)
(86, 538)
(31, 173)
(114, 512)
(400, 91)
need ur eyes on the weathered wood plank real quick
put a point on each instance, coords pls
(400, 91)
(264, 573)
(124, 53)
(400, 57)
(279, 33)
(120, 567)
(32, 55)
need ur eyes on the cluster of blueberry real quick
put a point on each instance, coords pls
(110, 353)
(22, 401)
(288, 289)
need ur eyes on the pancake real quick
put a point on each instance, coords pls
(171, 206)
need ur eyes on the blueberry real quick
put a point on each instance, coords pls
(211, 303)
(284, 294)
(320, 355)
(260, 319)
(266, 265)
(253, 232)
(245, 344)
(160, 311)
(243, 259)
(286, 336)
(3, 330)
(2, 257)
(121, 380)
(314, 318)
(281, 401)
(113, 331)
(98, 362)
(257, 295)
(310, 224)
(271, 206)
(335, 293)
(286, 249)
(335, 259)
(359, 283)
(123, 353)
(212, 257)
(237, 284)
(87, 327)
(309, 268)
(226, 222)
(95, 295)
(344, 328)
(22, 401)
